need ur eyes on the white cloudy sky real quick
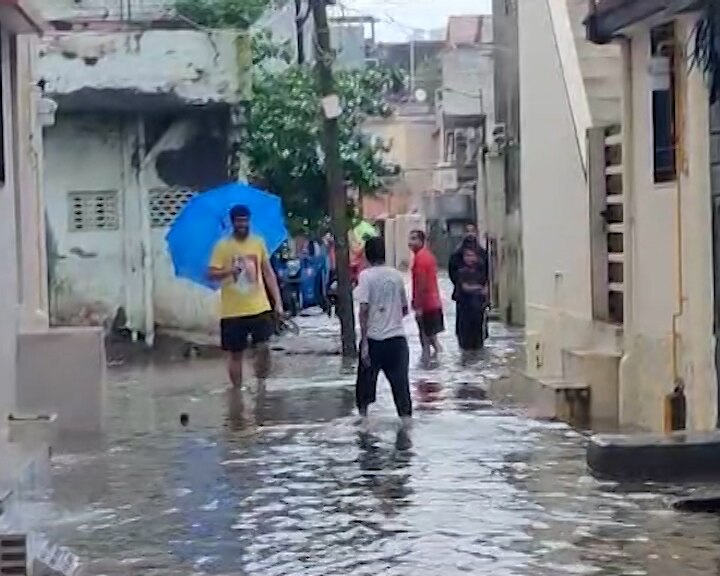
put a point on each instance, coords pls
(399, 17)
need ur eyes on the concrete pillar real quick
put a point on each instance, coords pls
(31, 200)
(8, 244)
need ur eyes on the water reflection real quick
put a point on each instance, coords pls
(291, 486)
(386, 469)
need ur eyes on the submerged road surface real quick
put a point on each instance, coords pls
(472, 489)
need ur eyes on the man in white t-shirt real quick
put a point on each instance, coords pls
(383, 345)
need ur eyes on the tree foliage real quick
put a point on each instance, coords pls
(222, 13)
(284, 146)
(705, 52)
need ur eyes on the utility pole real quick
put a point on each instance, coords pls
(300, 21)
(337, 193)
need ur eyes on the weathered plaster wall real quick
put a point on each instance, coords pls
(96, 273)
(182, 66)
(8, 246)
(653, 275)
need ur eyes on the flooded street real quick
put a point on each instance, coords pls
(472, 489)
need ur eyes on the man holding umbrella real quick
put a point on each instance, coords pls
(241, 264)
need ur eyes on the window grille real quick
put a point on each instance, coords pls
(166, 204)
(93, 211)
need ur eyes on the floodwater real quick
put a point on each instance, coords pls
(470, 489)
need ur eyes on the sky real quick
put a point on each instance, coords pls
(399, 17)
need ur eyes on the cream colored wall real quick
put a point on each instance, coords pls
(414, 149)
(31, 207)
(8, 246)
(653, 295)
(555, 217)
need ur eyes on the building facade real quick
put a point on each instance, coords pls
(153, 108)
(409, 135)
(569, 89)
(671, 188)
(45, 371)
(464, 111)
(499, 182)
(618, 212)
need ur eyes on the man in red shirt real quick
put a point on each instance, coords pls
(426, 296)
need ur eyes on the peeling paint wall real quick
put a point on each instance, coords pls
(194, 67)
(86, 286)
(98, 273)
(106, 9)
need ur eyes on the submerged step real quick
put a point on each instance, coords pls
(650, 457)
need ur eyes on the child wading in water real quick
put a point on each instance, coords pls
(472, 302)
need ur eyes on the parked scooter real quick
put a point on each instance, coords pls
(303, 280)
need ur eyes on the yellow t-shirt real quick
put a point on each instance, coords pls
(243, 295)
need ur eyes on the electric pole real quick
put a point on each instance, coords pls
(337, 193)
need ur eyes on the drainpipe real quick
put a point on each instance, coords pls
(675, 402)
(146, 236)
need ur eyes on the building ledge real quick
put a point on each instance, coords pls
(150, 69)
(21, 17)
(611, 17)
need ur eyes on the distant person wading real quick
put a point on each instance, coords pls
(468, 269)
(426, 300)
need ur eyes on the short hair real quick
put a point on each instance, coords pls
(420, 234)
(469, 242)
(239, 211)
(375, 250)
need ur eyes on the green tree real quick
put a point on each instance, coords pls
(283, 144)
(706, 49)
(223, 13)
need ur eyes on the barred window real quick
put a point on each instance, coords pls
(93, 211)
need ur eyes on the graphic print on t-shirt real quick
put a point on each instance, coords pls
(387, 295)
(246, 279)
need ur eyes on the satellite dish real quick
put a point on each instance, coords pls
(420, 95)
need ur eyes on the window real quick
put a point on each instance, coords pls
(166, 204)
(662, 77)
(93, 211)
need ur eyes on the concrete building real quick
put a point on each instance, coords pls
(670, 227)
(153, 109)
(569, 89)
(45, 370)
(409, 135)
(617, 208)
(498, 198)
(465, 110)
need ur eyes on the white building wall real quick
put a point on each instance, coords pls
(653, 298)
(555, 212)
(8, 245)
(468, 80)
(86, 266)
(201, 67)
(106, 9)
(94, 273)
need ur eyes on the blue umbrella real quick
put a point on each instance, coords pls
(205, 220)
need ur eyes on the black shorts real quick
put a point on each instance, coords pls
(431, 323)
(235, 332)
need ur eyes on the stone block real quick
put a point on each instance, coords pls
(600, 371)
(546, 398)
(70, 379)
(33, 430)
(660, 458)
